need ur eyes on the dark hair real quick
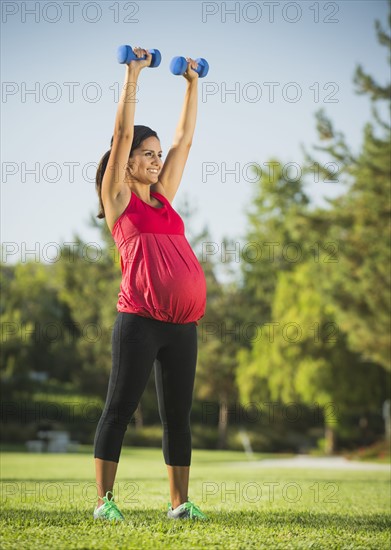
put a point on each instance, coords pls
(141, 133)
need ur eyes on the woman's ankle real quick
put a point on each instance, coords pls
(100, 498)
(100, 502)
(177, 502)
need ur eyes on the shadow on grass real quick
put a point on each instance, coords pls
(149, 518)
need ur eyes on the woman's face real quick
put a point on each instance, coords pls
(146, 161)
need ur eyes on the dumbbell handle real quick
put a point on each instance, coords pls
(125, 54)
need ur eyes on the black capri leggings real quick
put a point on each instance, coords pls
(138, 343)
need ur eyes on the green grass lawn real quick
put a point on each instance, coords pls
(47, 502)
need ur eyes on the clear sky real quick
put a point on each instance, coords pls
(65, 53)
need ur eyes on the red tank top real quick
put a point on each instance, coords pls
(161, 276)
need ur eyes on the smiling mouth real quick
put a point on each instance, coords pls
(153, 170)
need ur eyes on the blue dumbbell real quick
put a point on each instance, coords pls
(125, 54)
(178, 65)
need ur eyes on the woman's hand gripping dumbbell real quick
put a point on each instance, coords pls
(126, 54)
(179, 64)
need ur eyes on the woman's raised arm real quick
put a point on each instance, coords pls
(113, 179)
(175, 162)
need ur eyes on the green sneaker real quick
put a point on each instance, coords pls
(187, 510)
(108, 510)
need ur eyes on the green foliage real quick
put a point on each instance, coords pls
(37, 327)
(305, 358)
(275, 219)
(360, 287)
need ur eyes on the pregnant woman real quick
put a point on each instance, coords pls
(162, 292)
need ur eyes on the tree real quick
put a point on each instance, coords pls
(360, 222)
(352, 287)
(270, 247)
(36, 326)
(304, 357)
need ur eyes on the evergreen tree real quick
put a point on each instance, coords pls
(359, 221)
(342, 279)
(271, 241)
